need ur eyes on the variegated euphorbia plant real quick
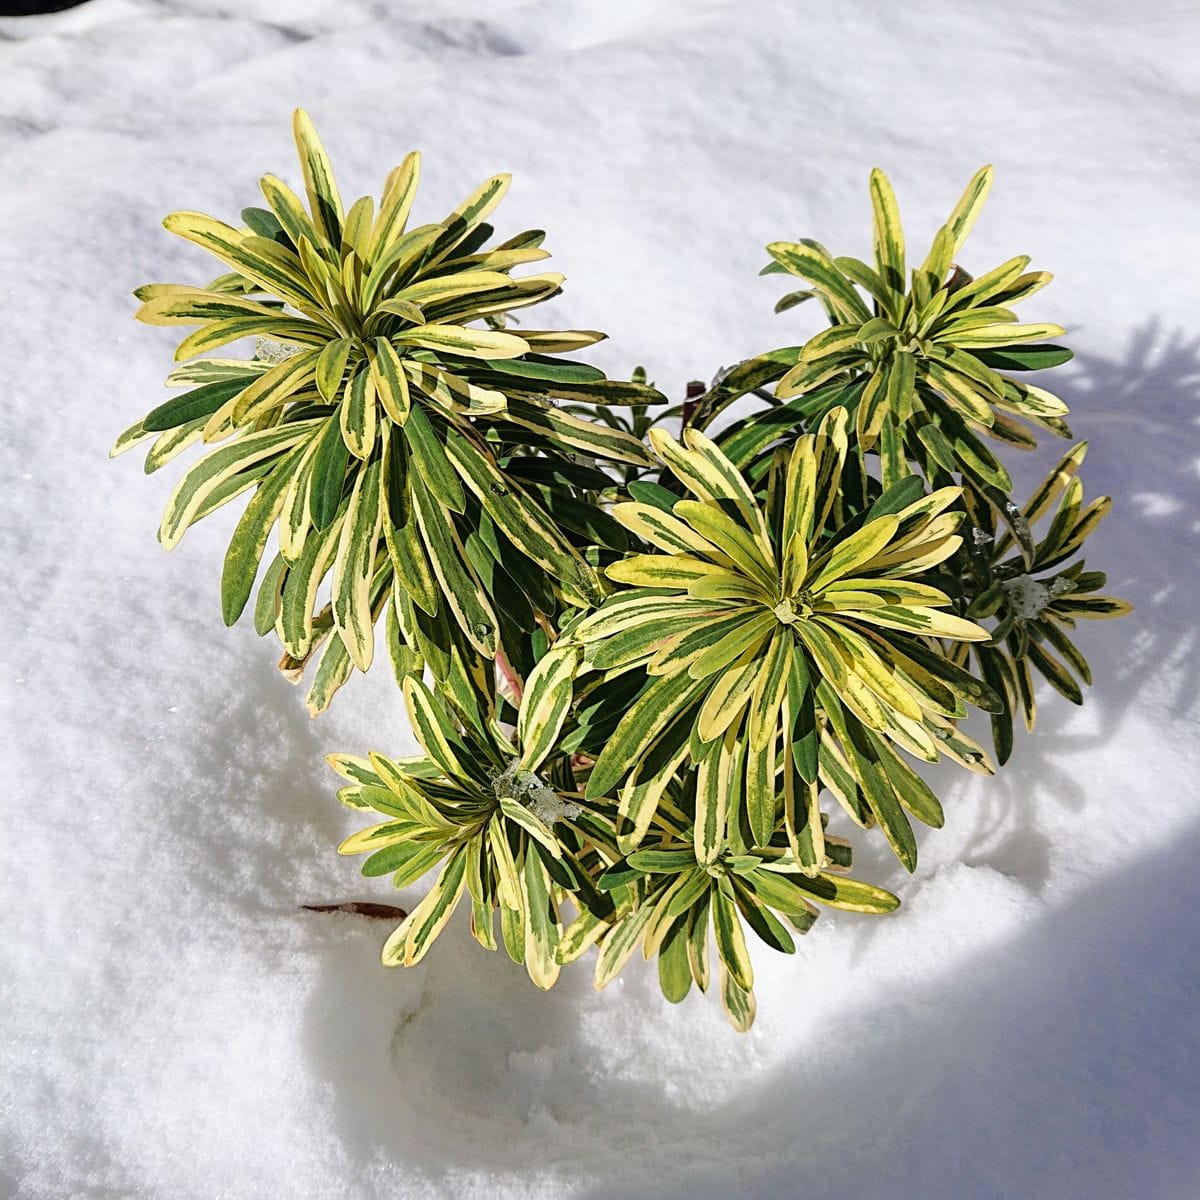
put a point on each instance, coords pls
(399, 449)
(637, 666)
(783, 651)
(1023, 583)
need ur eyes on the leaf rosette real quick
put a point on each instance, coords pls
(381, 429)
(500, 819)
(1036, 594)
(670, 902)
(780, 653)
(922, 358)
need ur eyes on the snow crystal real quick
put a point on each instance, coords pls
(528, 790)
(1028, 596)
(269, 350)
(1031, 597)
(1020, 522)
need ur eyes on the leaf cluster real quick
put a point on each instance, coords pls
(417, 465)
(641, 667)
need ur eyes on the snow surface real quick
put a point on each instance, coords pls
(172, 1026)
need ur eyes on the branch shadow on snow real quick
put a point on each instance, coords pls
(1140, 412)
(1060, 1063)
(965, 1085)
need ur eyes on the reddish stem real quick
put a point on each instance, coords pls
(360, 908)
(510, 676)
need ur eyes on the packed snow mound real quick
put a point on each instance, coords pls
(174, 1026)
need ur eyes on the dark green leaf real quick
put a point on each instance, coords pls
(1038, 357)
(328, 475)
(199, 402)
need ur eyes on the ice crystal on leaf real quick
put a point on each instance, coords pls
(526, 788)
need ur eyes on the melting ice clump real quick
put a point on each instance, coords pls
(1030, 597)
(271, 351)
(530, 792)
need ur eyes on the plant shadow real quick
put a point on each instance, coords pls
(460, 1066)
(1062, 1063)
(1141, 414)
(258, 782)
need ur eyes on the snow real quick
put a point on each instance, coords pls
(528, 789)
(174, 1026)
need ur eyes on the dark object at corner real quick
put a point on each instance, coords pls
(30, 8)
